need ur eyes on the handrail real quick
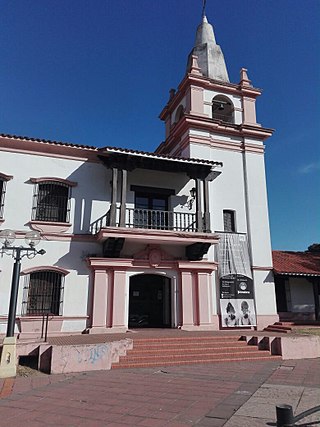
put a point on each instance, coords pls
(149, 219)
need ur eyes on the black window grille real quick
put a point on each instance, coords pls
(51, 202)
(229, 221)
(43, 293)
(2, 194)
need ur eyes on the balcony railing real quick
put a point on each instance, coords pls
(149, 219)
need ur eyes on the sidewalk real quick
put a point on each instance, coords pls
(230, 394)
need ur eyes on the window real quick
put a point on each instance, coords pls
(229, 221)
(222, 109)
(51, 202)
(2, 193)
(43, 293)
(3, 183)
(151, 211)
(151, 207)
(179, 113)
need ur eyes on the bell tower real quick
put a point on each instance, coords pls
(211, 118)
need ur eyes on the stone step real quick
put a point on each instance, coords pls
(187, 345)
(280, 326)
(261, 355)
(181, 340)
(169, 356)
(191, 350)
(275, 329)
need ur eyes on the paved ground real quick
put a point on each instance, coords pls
(232, 394)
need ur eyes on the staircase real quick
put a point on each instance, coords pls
(149, 352)
(284, 327)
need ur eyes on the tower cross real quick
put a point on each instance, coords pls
(204, 7)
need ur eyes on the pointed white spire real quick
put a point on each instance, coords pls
(210, 56)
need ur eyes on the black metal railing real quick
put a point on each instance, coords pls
(150, 219)
(2, 193)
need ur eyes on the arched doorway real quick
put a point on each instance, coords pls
(149, 301)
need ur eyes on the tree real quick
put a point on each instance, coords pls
(315, 247)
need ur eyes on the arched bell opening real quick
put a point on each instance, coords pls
(222, 109)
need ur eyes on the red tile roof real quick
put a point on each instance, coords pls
(296, 263)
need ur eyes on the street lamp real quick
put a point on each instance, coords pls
(7, 238)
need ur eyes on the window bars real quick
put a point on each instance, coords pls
(2, 194)
(51, 202)
(43, 293)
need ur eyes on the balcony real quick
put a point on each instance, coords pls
(149, 219)
(152, 227)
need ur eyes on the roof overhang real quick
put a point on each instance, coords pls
(130, 160)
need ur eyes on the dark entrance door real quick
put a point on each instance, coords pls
(149, 301)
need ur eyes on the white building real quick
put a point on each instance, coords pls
(175, 238)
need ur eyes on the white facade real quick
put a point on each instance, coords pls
(97, 254)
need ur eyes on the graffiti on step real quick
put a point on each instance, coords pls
(93, 354)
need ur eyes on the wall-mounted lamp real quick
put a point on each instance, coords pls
(193, 193)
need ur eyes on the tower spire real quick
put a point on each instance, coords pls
(210, 56)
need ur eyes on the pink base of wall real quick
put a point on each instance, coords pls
(300, 347)
(265, 320)
(35, 326)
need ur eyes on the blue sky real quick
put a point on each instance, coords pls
(98, 72)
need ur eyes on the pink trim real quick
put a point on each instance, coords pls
(5, 177)
(110, 296)
(20, 145)
(156, 236)
(265, 320)
(205, 83)
(49, 227)
(52, 179)
(54, 318)
(45, 268)
(63, 237)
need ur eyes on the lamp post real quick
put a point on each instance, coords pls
(7, 238)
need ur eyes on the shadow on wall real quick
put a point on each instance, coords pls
(91, 196)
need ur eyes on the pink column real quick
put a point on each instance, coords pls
(100, 300)
(249, 110)
(120, 302)
(187, 299)
(204, 298)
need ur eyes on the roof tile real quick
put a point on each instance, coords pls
(299, 263)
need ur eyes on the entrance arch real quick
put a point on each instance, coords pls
(149, 301)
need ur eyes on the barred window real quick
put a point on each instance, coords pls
(2, 194)
(43, 293)
(51, 202)
(229, 221)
